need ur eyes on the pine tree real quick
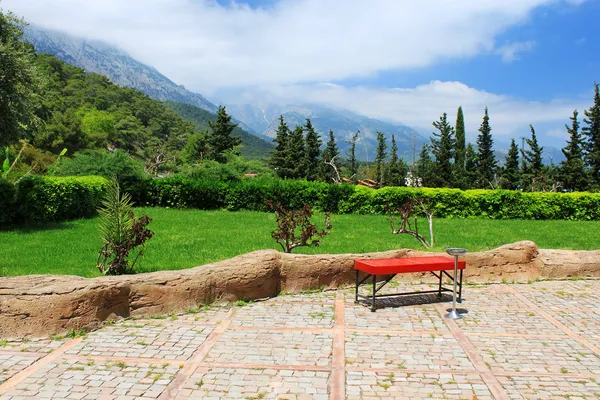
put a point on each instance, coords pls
(330, 154)
(296, 154)
(486, 160)
(380, 159)
(533, 156)
(312, 152)
(572, 169)
(511, 176)
(424, 168)
(279, 156)
(221, 139)
(396, 169)
(442, 151)
(459, 151)
(592, 133)
(352, 157)
(471, 171)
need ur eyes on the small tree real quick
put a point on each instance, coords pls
(121, 232)
(407, 211)
(294, 228)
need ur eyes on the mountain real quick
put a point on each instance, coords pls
(115, 64)
(254, 147)
(344, 123)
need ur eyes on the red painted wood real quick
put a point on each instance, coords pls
(385, 266)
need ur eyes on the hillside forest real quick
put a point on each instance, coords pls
(56, 119)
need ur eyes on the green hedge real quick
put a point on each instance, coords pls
(7, 202)
(42, 199)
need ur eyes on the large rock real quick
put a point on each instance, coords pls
(48, 305)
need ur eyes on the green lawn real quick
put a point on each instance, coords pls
(187, 238)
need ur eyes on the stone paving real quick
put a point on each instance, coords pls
(518, 341)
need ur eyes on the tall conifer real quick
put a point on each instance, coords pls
(330, 153)
(511, 177)
(296, 154)
(312, 152)
(572, 169)
(380, 158)
(592, 133)
(486, 160)
(353, 163)
(279, 157)
(442, 151)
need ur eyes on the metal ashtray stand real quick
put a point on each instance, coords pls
(453, 314)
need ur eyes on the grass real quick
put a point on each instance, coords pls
(187, 238)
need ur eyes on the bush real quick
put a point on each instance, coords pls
(55, 199)
(7, 202)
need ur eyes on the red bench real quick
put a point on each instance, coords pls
(389, 267)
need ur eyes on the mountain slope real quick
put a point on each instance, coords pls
(253, 146)
(113, 63)
(344, 124)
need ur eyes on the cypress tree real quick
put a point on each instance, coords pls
(459, 150)
(592, 133)
(296, 154)
(330, 152)
(424, 168)
(442, 151)
(471, 171)
(380, 158)
(352, 157)
(486, 160)
(279, 156)
(221, 139)
(396, 169)
(511, 177)
(572, 169)
(312, 152)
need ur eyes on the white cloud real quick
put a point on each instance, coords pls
(205, 46)
(510, 51)
(421, 105)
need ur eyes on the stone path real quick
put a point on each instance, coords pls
(534, 341)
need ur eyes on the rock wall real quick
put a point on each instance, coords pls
(41, 305)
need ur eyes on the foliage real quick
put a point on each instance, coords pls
(232, 171)
(532, 162)
(459, 150)
(396, 169)
(407, 211)
(295, 159)
(56, 199)
(442, 149)
(352, 161)
(486, 160)
(20, 80)
(329, 168)
(511, 175)
(7, 202)
(221, 139)
(312, 152)
(118, 164)
(380, 159)
(591, 130)
(279, 156)
(424, 170)
(121, 232)
(572, 169)
(294, 228)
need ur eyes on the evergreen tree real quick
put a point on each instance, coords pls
(511, 177)
(396, 169)
(279, 157)
(20, 79)
(471, 171)
(312, 152)
(442, 151)
(195, 149)
(486, 160)
(592, 133)
(424, 169)
(296, 154)
(380, 159)
(459, 151)
(352, 157)
(533, 156)
(572, 169)
(330, 153)
(221, 139)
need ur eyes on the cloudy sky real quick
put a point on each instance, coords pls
(529, 61)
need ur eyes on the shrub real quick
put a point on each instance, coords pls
(7, 202)
(54, 199)
(121, 232)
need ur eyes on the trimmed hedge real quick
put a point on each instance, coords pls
(44, 199)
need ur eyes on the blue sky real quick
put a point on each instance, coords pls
(405, 61)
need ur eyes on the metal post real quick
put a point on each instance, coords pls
(374, 291)
(356, 290)
(453, 314)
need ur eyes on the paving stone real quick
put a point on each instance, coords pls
(560, 295)
(421, 352)
(11, 364)
(523, 354)
(506, 321)
(256, 384)
(137, 340)
(71, 378)
(200, 315)
(43, 346)
(415, 318)
(273, 347)
(550, 387)
(586, 324)
(288, 315)
(402, 385)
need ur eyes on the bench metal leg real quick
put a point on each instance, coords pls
(374, 291)
(440, 286)
(356, 289)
